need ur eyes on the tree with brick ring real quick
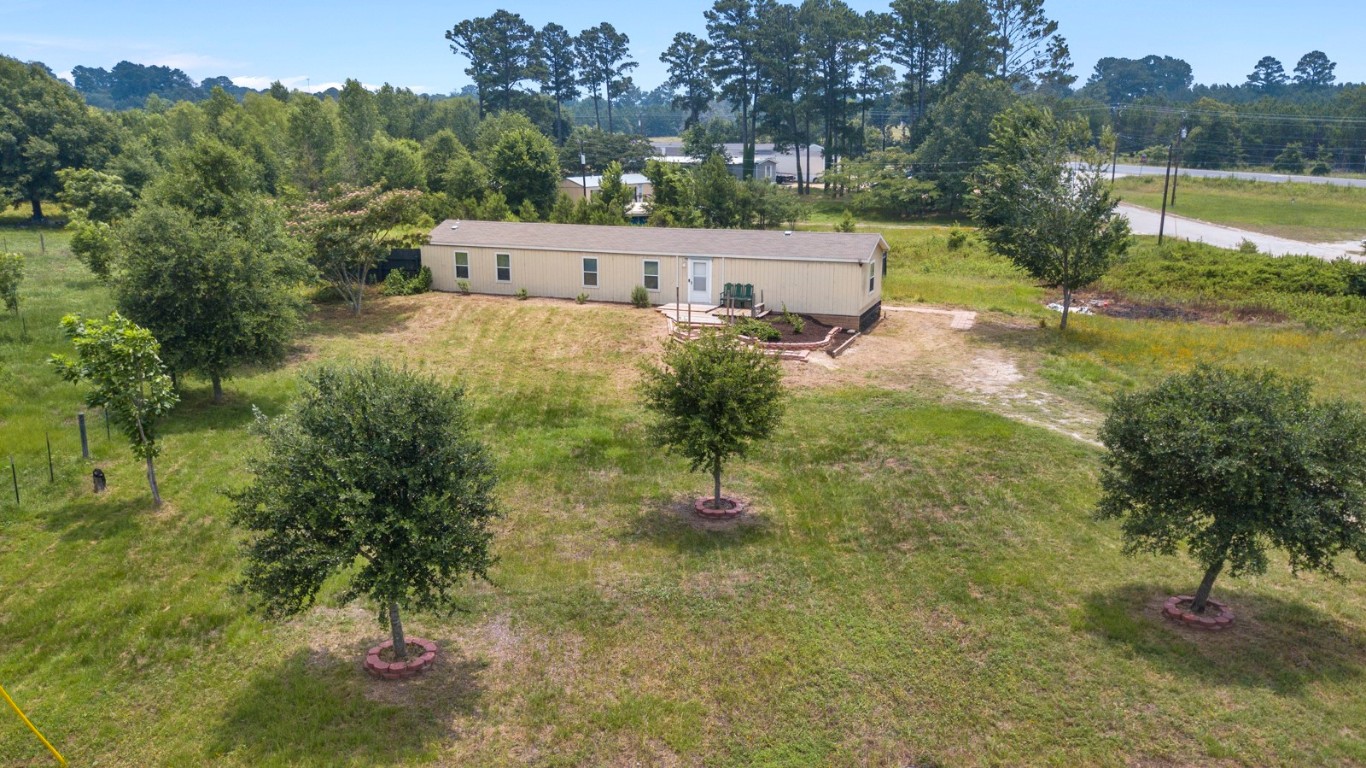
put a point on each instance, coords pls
(1233, 463)
(713, 398)
(372, 473)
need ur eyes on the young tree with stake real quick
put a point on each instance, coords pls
(713, 398)
(121, 362)
(372, 473)
(1232, 463)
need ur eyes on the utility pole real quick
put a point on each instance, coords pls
(583, 170)
(1180, 138)
(1162, 222)
(1114, 112)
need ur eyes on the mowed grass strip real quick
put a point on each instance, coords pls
(1314, 213)
(920, 583)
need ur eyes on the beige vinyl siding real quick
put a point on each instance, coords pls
(813, 287)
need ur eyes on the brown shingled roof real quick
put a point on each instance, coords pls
(657, 241)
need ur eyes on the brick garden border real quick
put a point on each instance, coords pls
(772, 347)
(400, 670)
(704, 509)
(1177, 609)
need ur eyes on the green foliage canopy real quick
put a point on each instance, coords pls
(347, 234)
(1054, 218)
(372, 473)
(121, 363)
(712, 399)
(11, 275)
(1232, 463)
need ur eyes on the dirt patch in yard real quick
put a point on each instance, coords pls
(1128, 308)
(919, 352)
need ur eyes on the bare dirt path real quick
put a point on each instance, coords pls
(950, 355)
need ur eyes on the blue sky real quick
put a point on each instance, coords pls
(316, 44)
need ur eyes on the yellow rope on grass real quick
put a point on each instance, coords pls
(60, 760)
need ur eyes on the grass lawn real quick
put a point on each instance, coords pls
(1315, 213)
(921, 582)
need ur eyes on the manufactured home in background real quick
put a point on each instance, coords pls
(834, 277)
(578, 187)
(769, 163)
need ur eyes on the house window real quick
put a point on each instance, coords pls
(462, 266)
(504, 268)
(590, 273)
(651, 275)
(872, 275)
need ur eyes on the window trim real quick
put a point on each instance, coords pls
(584, 273)
(872, 276)
(645, 276)
(455, 260)
(498, 269)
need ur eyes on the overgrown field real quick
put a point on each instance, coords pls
(921, 582)
(1310, 212)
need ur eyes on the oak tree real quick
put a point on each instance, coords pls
(372, 473)
(713, 399)
(1233, 463)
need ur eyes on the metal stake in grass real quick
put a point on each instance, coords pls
(14, 478)
(85, 444)
(51, 478)
(106, 422)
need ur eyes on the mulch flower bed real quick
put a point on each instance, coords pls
(380, 662)
(812, 330)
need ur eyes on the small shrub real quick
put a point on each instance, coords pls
(463, 286)
(957, 238)
(1247, 246)
(757, 329)
(582, 298)
(846, 222)
(640, 298)
(398, 284)
(1320, 169)
(796, 321)
(522, 295)
(395, 284)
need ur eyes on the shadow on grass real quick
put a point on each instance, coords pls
(379, 314)
(197, 411)
(1275, 644)
(89, 517)
(320, 709)
(672, 523)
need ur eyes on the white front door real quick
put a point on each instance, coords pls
(699, 281)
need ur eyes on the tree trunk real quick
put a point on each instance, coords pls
(1066, 306)
(37, 206)
(217, 388)
(396, 628)
(152, 482)
(716, 479)
(610, 127)
(1202, 594)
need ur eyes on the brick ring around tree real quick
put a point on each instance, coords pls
(733, 508)
(421, 654)
(1216, 617)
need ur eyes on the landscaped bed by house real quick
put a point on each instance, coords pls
(811, 330)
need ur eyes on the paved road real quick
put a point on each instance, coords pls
(1145, 221)
(1158, 170)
